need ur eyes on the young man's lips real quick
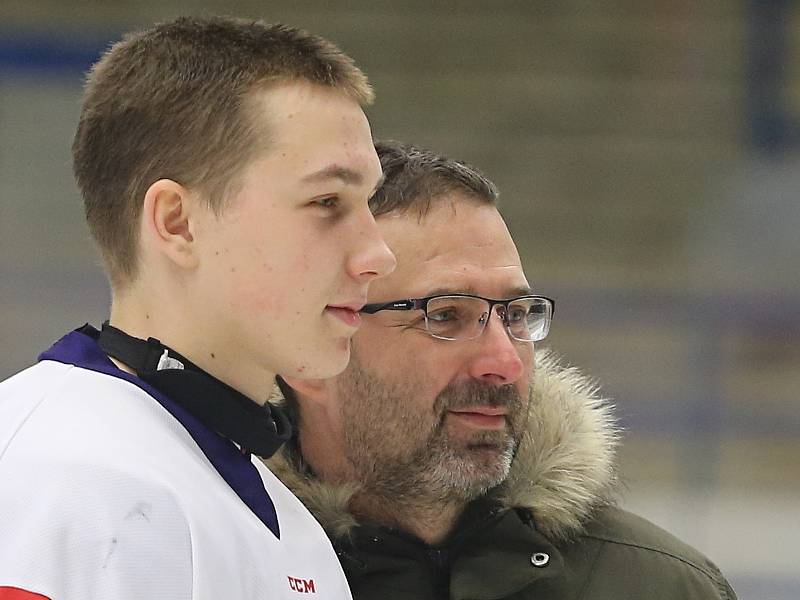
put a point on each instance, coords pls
(347, 315)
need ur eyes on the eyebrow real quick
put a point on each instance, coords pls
(347, 176)
(515, 292)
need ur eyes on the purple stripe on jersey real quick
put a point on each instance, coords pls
(81, 350)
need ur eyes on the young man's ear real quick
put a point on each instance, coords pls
(168, 222)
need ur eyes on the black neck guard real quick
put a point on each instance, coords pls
(257, 429)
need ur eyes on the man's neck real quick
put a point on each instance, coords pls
(143, 322)
(432, 521)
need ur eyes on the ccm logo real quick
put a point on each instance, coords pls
(304, 586)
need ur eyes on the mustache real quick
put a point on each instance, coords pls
(472, 393)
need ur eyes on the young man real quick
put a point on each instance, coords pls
(226, 167)
(457, 463)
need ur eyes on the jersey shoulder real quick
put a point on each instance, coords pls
(80, 520)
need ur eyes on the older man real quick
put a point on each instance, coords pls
(450, 460)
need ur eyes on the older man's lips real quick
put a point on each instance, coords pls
(481, 417)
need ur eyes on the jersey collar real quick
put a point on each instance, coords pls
(80, 348)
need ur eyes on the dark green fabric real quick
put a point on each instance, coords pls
(619, 556)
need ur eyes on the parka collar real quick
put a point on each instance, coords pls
(563, 471)
(495, 558)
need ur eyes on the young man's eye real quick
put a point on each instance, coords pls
(328, 202)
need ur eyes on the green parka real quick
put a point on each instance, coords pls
(550, 531)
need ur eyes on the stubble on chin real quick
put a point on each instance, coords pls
(408, 459)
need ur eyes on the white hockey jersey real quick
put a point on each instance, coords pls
(109, 490)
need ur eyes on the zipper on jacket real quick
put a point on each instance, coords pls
(440, 558)
(439, 561)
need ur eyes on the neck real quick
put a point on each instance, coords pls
(168, 323)
(430, 521)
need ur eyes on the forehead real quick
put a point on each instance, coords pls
(310, 127)
(458, 246)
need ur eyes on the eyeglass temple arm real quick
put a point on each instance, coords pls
(394, 305)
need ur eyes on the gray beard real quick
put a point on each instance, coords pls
(409, 461)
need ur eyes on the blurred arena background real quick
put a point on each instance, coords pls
(647, 154)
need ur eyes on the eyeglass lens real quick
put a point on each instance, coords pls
(464, 317)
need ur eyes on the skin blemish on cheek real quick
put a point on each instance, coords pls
(301, 368)
(213, 355)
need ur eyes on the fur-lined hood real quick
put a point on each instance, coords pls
(564, 468)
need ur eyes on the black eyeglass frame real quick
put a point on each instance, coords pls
(422, 304)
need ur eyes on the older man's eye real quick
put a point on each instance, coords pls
(516, 314)
(443, 315)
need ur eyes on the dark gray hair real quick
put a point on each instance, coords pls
(415, 178)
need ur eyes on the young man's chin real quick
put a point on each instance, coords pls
(341, 354)
(329, 360)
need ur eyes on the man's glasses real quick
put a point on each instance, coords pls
(464, 316)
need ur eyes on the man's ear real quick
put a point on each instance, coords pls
(315, 390)
(168, 221)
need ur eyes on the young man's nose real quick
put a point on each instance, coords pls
(496, 359)
(372, 258)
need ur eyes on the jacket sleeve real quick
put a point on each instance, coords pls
(627, 556)
(78, 531)
(725, 590)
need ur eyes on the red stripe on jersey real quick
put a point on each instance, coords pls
(12, 593)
